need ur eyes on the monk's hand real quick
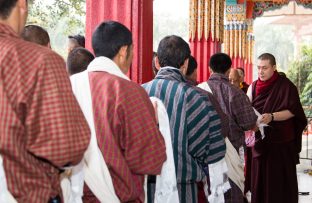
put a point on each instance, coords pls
(156, 111)
(266, 118)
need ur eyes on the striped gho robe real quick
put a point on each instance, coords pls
(195, 129)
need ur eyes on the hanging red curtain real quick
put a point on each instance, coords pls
(137, 15)
(206, 32)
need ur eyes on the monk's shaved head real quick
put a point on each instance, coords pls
(234, 77)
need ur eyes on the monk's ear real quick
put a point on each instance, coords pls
(274, 67)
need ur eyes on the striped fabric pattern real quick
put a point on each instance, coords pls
(127, 133)
(41, 125)
(195, 125)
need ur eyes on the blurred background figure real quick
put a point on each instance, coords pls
(75, 41)
(78, 60)
(243, 85)
(36, 34)
(234, 77)
(155, 66)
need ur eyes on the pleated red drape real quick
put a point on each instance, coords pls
(137, 15)
(202, 50)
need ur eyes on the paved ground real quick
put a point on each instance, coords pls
(304, 179)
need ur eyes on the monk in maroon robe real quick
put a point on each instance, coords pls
(274, 158)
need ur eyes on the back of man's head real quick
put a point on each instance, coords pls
(241, 71)
(78, 39)
(6, 7)
(78, 60)
(268, 56)
(220, 63)
(192, 66)
(109, 37)
(173, 51)
(36, 34)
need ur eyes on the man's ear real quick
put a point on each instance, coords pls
(157, 63)
(184, 67)
(49, 45)
(123, 52)
(23, 4)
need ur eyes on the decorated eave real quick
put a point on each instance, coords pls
(260, 6)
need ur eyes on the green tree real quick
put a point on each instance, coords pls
(50, 14)
(300, 74)
(61, 18)
(306, 96)
(300, 69)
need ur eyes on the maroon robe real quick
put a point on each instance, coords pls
(273, 165)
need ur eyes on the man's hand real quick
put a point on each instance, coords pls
(266, 118)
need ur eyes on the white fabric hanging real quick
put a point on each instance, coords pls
(5, 195)
(95, 172)
(166, 184)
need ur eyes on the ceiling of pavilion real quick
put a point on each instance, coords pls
(292, 14)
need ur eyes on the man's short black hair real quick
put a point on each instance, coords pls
(155, 71)
(79, 39)
(36, 34)
(109, 37)
(173, 51)
(6, 7)
(268, 56)
(192, 66)
(220, 63)
(78, 60)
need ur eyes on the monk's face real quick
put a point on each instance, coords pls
(265, 70)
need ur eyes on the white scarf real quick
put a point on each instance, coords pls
(5, 195)
(166, 184)
(259, 124)
(96, 173)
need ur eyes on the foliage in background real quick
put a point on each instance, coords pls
(277, 40)
(60, 18)
(306, 96)
(300, 74)
(300, 69)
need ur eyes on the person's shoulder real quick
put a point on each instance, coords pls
(127, 86)
(286, 82)
(32, 57)
(195, 92)
(37, 52)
